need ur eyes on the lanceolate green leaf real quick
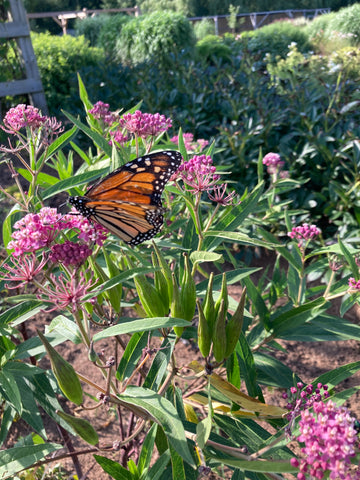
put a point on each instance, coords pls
(334, 377)
(14, 460)
(98, 139)
(297, 316)
(10, 391)
(114, 469)
(72, 182)
(265, 466)
(162, 412)
(235, 217)
(129, 325)
(19, 313)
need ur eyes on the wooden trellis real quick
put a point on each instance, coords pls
(18, 28)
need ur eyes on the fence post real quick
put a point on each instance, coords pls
(19, 29)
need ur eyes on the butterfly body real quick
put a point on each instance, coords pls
(128, 201)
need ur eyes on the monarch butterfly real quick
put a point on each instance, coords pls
(128, 201)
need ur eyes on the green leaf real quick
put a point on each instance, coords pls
(334, 377)
(200, 257)
(19, 313)
(271, 466)
(8, 417)
(14, 460)
(114, 469)
(157, 470)
(60, 142)
(324, 328)
(177, 464)
(159, 365)
(10, 390)
(65, 328)
(147, 449)
(15, 214)
(71, 182)
(162, 412)
(236, 216)
(349, 258)
(282, 324)
(232, 277)
(98, 139)
(203, 430)
(30, 412)
(131, 355)
(129, 325)
(240, 238)
(272, 372)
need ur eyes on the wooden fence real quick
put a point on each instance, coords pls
(18, 29)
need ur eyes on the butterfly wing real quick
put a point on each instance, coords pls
(128, 201)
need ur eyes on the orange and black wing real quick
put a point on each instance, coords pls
(128, 201)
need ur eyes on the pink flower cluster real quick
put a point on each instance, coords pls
(39, 230)
(191, 145)
(330, 438)
(219, 196)
(101, 111)
(70, 253)
(302, 398)
(198, 174)
(273, 162)
(63, 293)
(23, 116)
(23, 270)
(354, 284)
(145, 124)
(305, 232)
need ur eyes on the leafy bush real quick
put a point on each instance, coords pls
(347, 22)
(157, 36)
(317, 29)
(203, 28)
(59, 59)
(212, 48)
(102, 30)
(274, 39)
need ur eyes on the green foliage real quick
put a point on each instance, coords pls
(158, 36)
(274, 39)
(347, 23)
(203, 28)
(212, 48)
(59, 59)
(102, 30)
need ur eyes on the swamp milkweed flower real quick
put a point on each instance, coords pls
(145, 124)
(27, 116)
(23, 269)
(304, 232)
(63, 292)
(329, 437)
(39, 230)
(101, 111)
(191, 145)
(198, 174)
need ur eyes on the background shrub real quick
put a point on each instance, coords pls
(102, 30)
(203, 28)
(159, 36)
(274, 39)
(59, 59)
(212, 48)
(347, 22)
